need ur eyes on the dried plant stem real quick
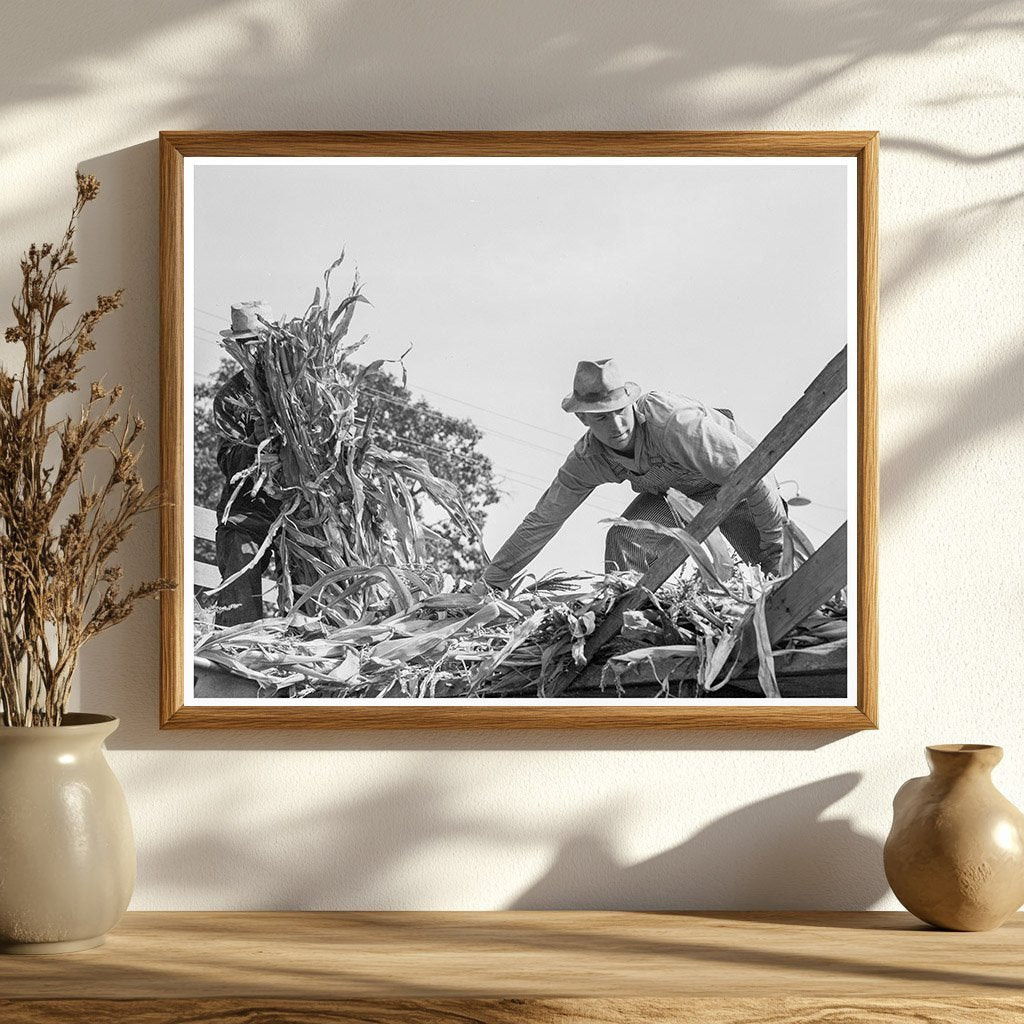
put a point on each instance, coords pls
(57, 586)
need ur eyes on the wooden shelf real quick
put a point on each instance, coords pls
(521, 966)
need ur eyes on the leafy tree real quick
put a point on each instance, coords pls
(395, 422)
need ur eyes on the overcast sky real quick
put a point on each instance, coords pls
(724, 282)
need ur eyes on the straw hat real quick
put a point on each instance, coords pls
(243, 320)
(600, 387)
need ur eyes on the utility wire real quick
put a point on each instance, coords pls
(479, 408)
(587, 504)
(486, 430)
(397, 401)
(444, 451)
(814, 529)
(831, 508)
(502, 469)
(494, 412)
(213, 334)
(471, 459)
(450, 397)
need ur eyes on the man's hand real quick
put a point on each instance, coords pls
(771, 565)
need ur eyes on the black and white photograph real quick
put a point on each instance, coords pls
(492, 431)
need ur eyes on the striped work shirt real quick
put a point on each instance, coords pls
(678, 443)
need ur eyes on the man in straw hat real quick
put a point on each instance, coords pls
(242, 527)
(656, 441)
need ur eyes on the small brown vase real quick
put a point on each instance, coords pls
(955, 854)
(67, 856)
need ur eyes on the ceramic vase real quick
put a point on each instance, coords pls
(955, 854)
(67, 855)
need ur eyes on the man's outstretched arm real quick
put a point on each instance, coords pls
(570, 488)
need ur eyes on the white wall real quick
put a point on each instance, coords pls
(760, 820)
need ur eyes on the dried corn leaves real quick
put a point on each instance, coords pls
(451, 643)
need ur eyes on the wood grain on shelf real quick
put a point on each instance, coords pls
(722, 1010)
(526, 954)
(524, 966)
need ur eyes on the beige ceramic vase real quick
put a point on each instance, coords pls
(67, 857)
(955, 855)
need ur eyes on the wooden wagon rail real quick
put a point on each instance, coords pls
(206, 576)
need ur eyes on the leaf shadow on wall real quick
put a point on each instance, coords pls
(777, 853)
(962, 418)
(430, 850)
(674, 54)
(378, 847)
(373, 64)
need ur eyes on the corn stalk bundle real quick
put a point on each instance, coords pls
(344, 501)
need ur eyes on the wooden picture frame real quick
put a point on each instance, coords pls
(859, 712)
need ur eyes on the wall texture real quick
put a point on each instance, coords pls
(701, 820)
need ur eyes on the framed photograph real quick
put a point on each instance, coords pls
(519, 430)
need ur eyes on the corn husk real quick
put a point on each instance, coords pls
(454, 643)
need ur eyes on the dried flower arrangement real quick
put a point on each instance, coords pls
(58, 588)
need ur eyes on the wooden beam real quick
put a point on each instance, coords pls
(806, 411)
(822, 392)
(813, 583)
(821, 576)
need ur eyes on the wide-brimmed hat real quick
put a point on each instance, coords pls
(243, 320)
(599, 387)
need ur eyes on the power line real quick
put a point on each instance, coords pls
(831, 508)
(442, 451)
(804, 524)
(588, 503)
(470, 405)
(450, 398)
(818, 530)
(547, 484)
(494, 412)
(489, 430)
(502, 469)
(471, 460)
(486, 430)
